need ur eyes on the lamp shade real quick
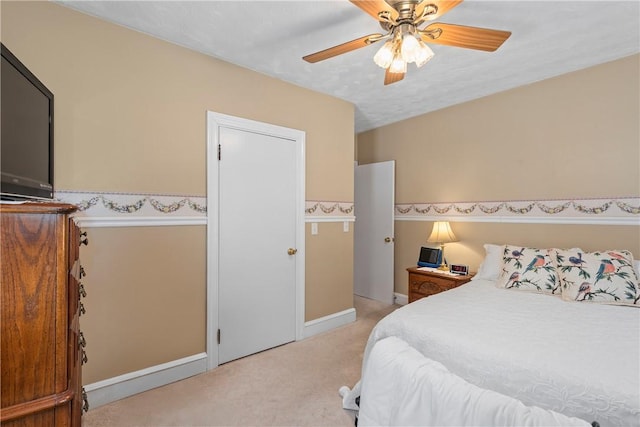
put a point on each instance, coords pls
(442, 233)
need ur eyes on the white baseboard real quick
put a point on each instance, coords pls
(326, 323)
(400, 299)
(116, 388)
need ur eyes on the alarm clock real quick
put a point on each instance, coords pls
(463, 270)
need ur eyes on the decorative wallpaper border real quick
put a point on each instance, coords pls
(102, 209)
(323, 211)
(620, 210)
(107, 209)
(97, 203)
(128, 209)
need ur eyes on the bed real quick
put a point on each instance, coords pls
(571, 360)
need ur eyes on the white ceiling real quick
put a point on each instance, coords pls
(548, 38)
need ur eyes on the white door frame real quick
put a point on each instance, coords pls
(214, 122)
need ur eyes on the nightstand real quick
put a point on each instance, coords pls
(423, 283)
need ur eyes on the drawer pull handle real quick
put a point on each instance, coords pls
(84, 240)
(82, 309)
(82, 292)
(81, 341)
(82, 272)
(85, 359)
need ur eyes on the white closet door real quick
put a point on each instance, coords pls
(257, 227)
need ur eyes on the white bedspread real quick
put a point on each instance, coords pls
(579, 359)
(404, 388)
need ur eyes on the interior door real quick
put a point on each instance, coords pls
(373, 231)
(257, 242)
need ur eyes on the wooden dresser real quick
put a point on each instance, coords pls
(423, 283)
(42, 348)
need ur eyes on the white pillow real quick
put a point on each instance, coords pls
(490, 267)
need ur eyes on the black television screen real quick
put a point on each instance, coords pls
(26, 132)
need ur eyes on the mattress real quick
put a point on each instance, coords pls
(579, 359)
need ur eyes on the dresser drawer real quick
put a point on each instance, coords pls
(425, 286)
(425, 283)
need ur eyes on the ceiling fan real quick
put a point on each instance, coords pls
(406, 37)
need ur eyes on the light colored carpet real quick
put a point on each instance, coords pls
(292, 385)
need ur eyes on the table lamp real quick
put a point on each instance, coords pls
(442, 234)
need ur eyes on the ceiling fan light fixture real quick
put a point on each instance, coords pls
(398, 65)
(424, 54)
(410, 47)
(401, 21)
(384, 57)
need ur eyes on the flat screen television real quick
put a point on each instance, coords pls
(26, 133)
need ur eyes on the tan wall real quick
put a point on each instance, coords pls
(410, 235)
(146, 303)
(130, 116)
(573, 136)
(130, 110)
(324, 285)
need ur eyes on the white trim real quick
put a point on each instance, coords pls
(212, 243)
(112, 389)
(327, 323)
(400, 299)
(214, 122)
(330, 219)
(524, 220)
(144, 221)
(154, 221)
(99, 222)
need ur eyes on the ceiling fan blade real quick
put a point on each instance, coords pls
(343, 48)
(392, 77)
(373, 7)
(443, 6)
(463, 36)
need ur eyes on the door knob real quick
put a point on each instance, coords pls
(388, 239)
(292, 251)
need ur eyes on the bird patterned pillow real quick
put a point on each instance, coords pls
(607, 277)
(528, 269)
